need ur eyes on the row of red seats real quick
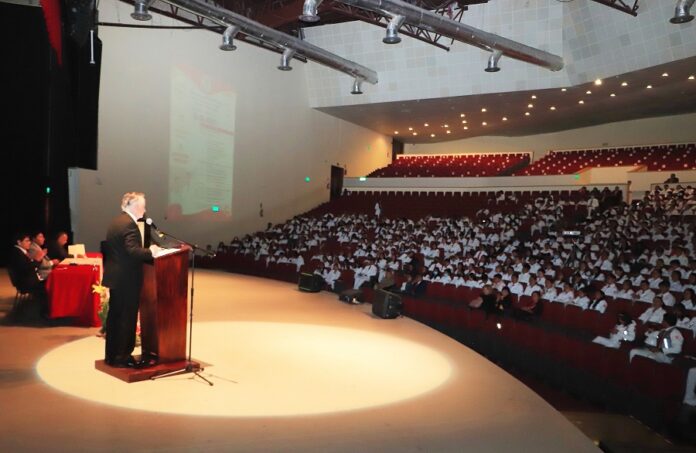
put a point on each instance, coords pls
(458, 165)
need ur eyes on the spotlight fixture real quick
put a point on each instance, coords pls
(493, 61)
(682, 12)
(665, 74)
(285, 59)
(410, 128)
(309, 11)
(396, 132)
(463, 121)
(141, 10)
(598, 82)
(227, 38)
(415, 133)
(466, 128)
(357, 86)
(392, 36)
(449, 131)
(446, 125)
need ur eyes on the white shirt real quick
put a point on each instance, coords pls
(652, 315)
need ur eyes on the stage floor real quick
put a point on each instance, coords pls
(292, 371)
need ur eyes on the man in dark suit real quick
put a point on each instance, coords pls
(56, 247)
(23, 270)
(124, 255)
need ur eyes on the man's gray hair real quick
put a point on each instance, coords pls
(130, 198)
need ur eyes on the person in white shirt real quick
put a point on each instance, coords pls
(524, 275)
(667, 298)
(581, 300)
(655, 313)
(567, 295)
(688, 299)
(598, 303)
(675, 283)
(644, 294)
(532, 286)
(550, 292)
(669, 343)
(515, 286)
(625, 330)
(625, 292)
(378, 210)
(610, 289)
(684, 321)
(331, 275)
(364, 274)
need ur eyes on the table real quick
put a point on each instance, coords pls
(70, 293)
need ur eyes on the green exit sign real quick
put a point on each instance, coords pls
(215, 208)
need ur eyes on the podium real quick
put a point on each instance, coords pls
(163, 311)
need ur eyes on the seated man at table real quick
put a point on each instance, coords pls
(38, 240)
(24, 270)
(57, 247)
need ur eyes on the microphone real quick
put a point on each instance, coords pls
(152, 224)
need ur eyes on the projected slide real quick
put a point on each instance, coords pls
(201, 145)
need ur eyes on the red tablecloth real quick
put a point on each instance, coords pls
(70, 294)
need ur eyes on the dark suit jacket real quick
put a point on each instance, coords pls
(123, 255)
(23, 270)
(57, 252)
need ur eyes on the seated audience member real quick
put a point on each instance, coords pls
(567, 295)
(364, 274)
(645, 293)
(655, 313)
(515, 286)
(387, 283)
(331, 275)
(532, 287)
(625, 292)
(668, 345)
(57, 248)
(550, 292)
(667, 297)
(528, 310)
(672, 179)
(683, 321)
(406, 285)
(24, 270)
(418, 286)
(37, 246)
(625, 330)
(598, 303)
(581, 300)
(610, 289)
(486, 300)
(675, 283)
(688, 299)
(503, 302)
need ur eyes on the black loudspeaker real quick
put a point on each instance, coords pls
(386, 305)
(311, 283)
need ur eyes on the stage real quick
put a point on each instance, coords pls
(292, 371)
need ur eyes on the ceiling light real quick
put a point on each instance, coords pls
(396, 132)
(534, 96)
(527, 113)
(581, 101)
(462, 115)
(410, 128)
(449, 131)
(483, 110)
(466, 128)
(612, 95)
(682, 13)
(598, 82)
(563, 90)
(426, 124)
(649, 87)
(588, 92)
(415, 133)
(484, 124)
(530, 106)
(505, 118)
(624, 84)
(432, 135)
(664, 74)
(692, 77)
(552, 108)
(463, 121)
(446, 125)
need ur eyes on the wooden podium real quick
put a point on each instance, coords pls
(163, 310)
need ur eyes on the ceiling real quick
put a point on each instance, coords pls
(533, 112)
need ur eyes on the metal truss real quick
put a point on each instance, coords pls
(621, 5)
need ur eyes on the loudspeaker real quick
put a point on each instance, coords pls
(311, 283)
(386, 305)
(351, 296)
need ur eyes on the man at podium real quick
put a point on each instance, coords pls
(124, 255)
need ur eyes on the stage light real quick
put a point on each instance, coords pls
(215, 208)
(581, 101)
(466, 128)
(588, 92)
(527, 113)
(598, 82)
(682, 12)
(432, 135)
(141, 10)
(484, 124)
(392, 36)
(449, 131)
(357, 86)
(493, 61)
(285, 59)
(462, 115)
(612, 95)
(309, 11)
(227, 38)
(410, 128)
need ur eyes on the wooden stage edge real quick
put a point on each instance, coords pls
(131, 375)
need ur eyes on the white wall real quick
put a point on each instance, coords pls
(668, 129)
(279, 138)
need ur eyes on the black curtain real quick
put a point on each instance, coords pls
(49, 121)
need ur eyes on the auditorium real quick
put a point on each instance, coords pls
(348, 226)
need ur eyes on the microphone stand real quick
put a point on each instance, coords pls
(190, 367)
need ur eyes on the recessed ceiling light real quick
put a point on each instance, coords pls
(598, 82)
(432, 135)
(664, 74)
(505, 118)
(449, 131)
(552, 108)
(649, 87)
(612, 95)
(581, 101)
(484, 124)
(624, 84)
(446, 125)
(530, 106)
(527, 113)
(563, 90)
(462, 115)
(588, 92)
(534, 96)
(466, 128)
(426, 124)
(415, 133)
(463, 121)
(692, 77)
(410, 128)
(396, 132)
(483, 110)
